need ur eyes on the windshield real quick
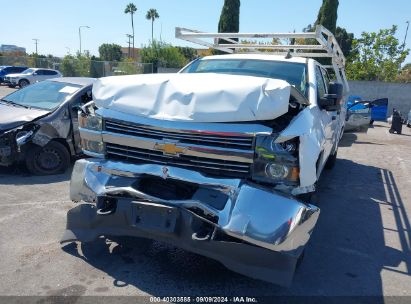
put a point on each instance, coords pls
(45, 95)
(28, 71)
(293, 73)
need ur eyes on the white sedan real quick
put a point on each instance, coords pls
(30, 76)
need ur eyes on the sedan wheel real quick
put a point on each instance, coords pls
(23, 83)
(50, 159)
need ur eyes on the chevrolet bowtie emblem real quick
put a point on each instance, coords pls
(169, 148)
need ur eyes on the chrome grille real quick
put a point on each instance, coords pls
(207, 165)
(221, 140)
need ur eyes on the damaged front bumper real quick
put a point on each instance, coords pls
(8, 150)
(248, 228)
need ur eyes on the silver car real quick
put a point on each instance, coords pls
(30, 76)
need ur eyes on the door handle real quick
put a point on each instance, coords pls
(334, 117)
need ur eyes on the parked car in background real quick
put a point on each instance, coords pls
(39, 124)
(358, 116)
(409, 119)
(7, 69)
(361, 113)
(30, 76)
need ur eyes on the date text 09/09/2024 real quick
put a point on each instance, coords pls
(204, 299)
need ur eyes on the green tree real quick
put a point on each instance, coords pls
(78, 66)
(162, 54)
(68, 67)
(229, 20)
(110, 52)
(345, 40)
(327, 16)
(189, 53)
(230, 17)
(405, 74)
(152, 15)
(131, 9)
(376, 56)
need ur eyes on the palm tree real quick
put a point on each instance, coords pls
(152, 15)
(131, 9)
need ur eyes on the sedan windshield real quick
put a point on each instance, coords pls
(28, 71)
(293, 73)
(46, 95)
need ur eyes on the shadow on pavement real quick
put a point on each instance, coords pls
(345, 256)
(349, 139)
(19, 175)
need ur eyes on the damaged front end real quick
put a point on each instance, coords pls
(248, 228)
(224, 195)
(12, 144)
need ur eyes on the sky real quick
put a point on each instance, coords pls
(56, 23)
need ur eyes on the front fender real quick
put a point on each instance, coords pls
(308, 128)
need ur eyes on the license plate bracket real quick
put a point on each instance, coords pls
(155, 217)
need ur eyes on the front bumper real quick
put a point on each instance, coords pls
(250, 229)
(8, 150)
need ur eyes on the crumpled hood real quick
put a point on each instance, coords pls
(14, 116)
(203, 97)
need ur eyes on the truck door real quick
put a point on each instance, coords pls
(329, 119)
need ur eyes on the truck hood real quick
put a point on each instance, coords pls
(14, 116)
(205, 97)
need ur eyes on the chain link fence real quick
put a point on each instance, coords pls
(84, 67)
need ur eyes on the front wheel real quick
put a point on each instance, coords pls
(53, 158)
(23, 83)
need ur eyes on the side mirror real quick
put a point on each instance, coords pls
(332, 100)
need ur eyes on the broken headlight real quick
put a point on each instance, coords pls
(23, 136)
(90, 121)
(276, 162)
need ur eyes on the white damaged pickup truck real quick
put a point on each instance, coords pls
(218, 159)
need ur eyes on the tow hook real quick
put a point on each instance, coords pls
(204, 234)
(106, 206)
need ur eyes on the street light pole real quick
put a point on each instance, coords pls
(36, 41)
(79, 33)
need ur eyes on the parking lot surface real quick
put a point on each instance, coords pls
(360, 246)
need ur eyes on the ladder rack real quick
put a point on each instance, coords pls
(318, 44)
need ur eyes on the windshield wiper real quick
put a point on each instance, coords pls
(15, 104)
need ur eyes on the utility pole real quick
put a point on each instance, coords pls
(36, 41)
(129, 43)
(79, 33)
(406, 33)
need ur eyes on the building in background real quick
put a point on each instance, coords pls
(9, 48)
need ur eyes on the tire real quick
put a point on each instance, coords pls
(409, 125)
(53, 158)
(23, 83)
(391, 131)
(332, 159)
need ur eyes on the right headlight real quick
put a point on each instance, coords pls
(276, 163)
(91, 126)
